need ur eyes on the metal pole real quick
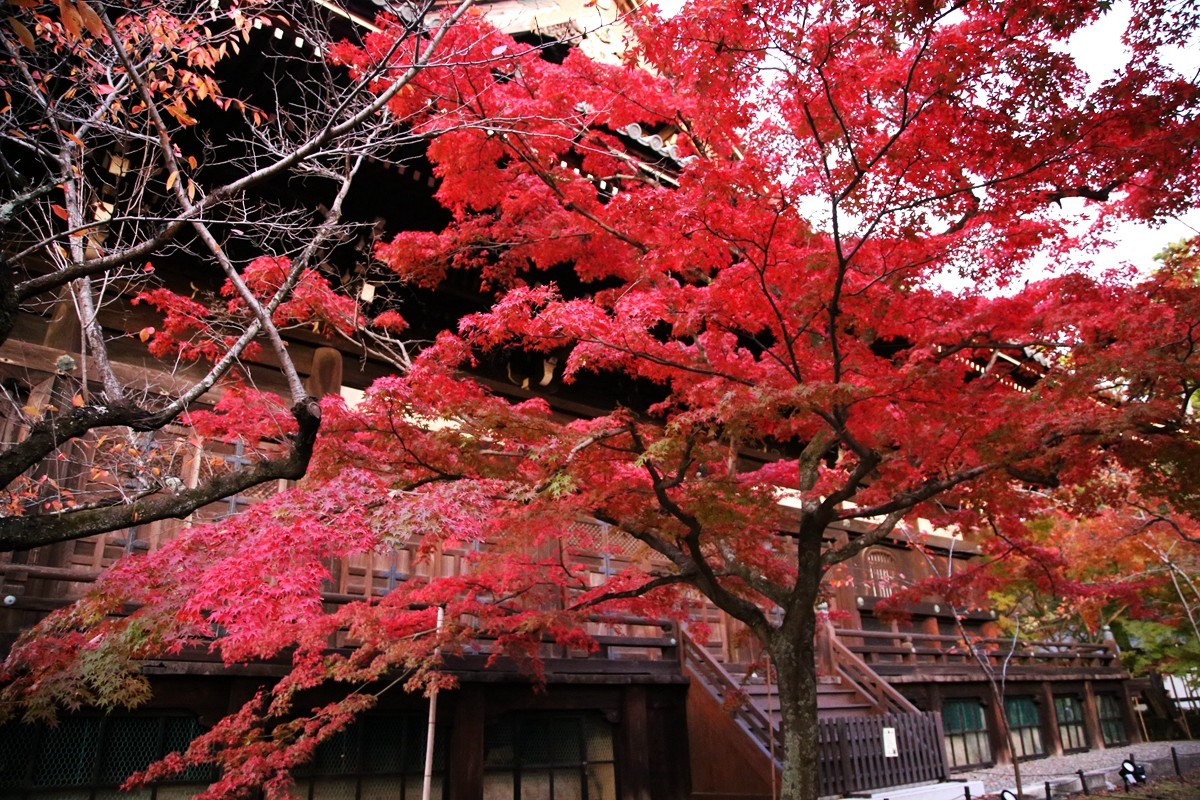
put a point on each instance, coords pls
(1049, 794)
(433, 693)
(1175, 758)
(1083, 782)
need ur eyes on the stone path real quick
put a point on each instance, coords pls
(1099, 767)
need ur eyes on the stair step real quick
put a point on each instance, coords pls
(847, 703)
(761, 690)
(823, 701)
(838, 704)
(847, 707)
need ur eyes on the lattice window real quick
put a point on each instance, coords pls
(1026, 725)
(608, 550)
(882, 574)
(223, 458)
(379, 757)
(549, 756)
(966, 733)
(1069, 711)
(1112, 721)
(89, 756)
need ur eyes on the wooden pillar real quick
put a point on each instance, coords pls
(64, 331)
(466, 743)
(325, 377)
(1001, 752)
(1091, 718)
(633, 773)
(1050, 725)
(933, 698)
(826, 664)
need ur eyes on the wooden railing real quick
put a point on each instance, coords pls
(714, 679)
(850, 668)
(896, 653)
(618, 637)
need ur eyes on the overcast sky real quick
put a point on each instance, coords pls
(1094, 50)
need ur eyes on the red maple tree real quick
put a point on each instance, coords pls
(759, 238)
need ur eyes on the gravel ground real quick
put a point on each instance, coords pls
(1099, 767)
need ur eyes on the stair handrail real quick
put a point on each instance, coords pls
(723, 685)
(870, 683)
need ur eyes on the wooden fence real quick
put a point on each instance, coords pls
(853, 757)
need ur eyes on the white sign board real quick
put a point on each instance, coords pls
(889, 743)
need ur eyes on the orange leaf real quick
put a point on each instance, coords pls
(145, 333)
(174, 176)
(59, 212)
(72, 22)
(179, 112)
(22, 33)
(91, 19)
(77, 401)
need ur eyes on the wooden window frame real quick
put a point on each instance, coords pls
(1027, 733)
(977, 738)
(1072, 723)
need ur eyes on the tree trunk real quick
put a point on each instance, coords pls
(9, 304)
(795, 671)
(792, 648)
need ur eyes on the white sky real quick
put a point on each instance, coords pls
(1095, 51)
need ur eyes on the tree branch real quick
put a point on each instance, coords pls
(35, 530)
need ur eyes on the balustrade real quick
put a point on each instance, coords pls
(896, 652)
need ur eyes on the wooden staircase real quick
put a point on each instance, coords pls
(847, 686)
(836, 697)
(837, 660)
(850, 689)
(733, 719)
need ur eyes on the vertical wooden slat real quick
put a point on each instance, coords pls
(843, 733)
(872, 742)
(466, 743)
(852, 758)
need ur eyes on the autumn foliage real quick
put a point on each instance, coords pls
(814, 237)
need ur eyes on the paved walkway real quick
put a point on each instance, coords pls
(1099, 767)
